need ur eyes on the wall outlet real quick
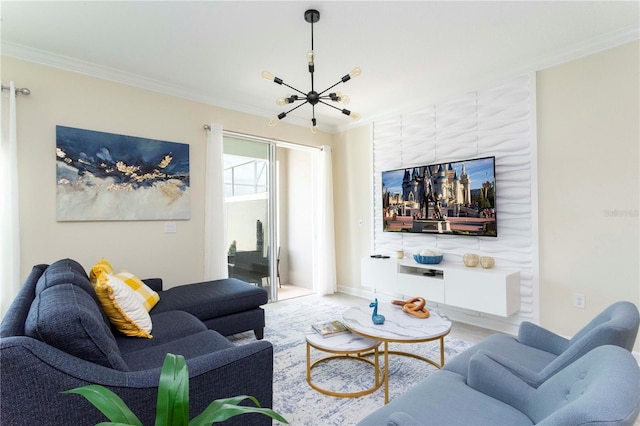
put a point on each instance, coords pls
(579, 300)
(170, 228)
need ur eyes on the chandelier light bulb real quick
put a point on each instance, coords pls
(314, 129)
(280, 102)
(345, 99)
(311, 56)
(274, 122)
(355, 72)
(267, 75)
(355, 116)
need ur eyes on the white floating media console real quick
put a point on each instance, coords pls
(493, 291)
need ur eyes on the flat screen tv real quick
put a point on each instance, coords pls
(455, 198)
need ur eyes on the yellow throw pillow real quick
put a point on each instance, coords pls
(145, 295)
(122, 306)
(101, 266)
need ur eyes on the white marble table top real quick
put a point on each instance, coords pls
(343, 342)
(398, 325)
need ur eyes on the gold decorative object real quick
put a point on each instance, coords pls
(487, 262)
(471, 260)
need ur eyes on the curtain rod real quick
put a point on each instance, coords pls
(22, 90)
(277, 141)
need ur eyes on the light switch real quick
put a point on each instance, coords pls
(170, 228)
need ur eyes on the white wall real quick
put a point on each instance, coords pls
(76, 100)
(495, 121)
(353, 204)
(589, 151)
(587, 112)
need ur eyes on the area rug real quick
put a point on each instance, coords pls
(287, 322)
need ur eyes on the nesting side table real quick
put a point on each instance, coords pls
(344, 346)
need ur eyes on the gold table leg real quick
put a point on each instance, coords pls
(386, 363)
(342, 355)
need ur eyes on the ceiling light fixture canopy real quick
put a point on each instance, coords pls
(313, 97)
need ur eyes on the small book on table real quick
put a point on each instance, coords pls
(330, 328)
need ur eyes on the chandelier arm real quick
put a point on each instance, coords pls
(296, 107)
(332, 106)
(293, 88)
(330, 87)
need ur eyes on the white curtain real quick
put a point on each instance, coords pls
(215, 254)
(325, 261)
(10, 236)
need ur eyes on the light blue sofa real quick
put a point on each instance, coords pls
(602, 387)
(536, 378)
(56, 337)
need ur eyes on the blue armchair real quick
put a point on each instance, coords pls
(602, 387)
(537, 354)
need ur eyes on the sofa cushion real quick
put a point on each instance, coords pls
(190, 346)
(66, 317)
(445, 399)
(167, 327)
(16, 315)
(122, 306)
(529, 358)
(212, 299)
(65, 271)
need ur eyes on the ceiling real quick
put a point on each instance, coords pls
(411, 53)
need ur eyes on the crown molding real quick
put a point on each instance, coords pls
(79, 66)
(42, 57)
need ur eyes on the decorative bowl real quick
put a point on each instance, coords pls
(427, 260)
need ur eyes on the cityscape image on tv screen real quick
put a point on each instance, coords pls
(456, 198)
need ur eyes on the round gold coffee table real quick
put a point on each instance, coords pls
(398, 327)
(344, 346)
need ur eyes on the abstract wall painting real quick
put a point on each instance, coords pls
(103, 177)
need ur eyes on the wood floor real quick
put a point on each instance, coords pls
(288, 291)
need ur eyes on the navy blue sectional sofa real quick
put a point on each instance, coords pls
(56, 337)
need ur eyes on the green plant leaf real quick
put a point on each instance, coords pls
(108, 403)
(112, 424)
(223, 409)
(173, 392)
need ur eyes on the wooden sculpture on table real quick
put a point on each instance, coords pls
(414, 306)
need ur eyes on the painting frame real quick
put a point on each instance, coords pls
(104, 176)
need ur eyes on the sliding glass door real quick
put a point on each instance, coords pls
(248, 178)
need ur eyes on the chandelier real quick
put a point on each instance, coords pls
(313, 97)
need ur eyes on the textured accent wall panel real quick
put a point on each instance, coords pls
(497, 121)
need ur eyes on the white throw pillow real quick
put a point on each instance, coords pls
(122, 306)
